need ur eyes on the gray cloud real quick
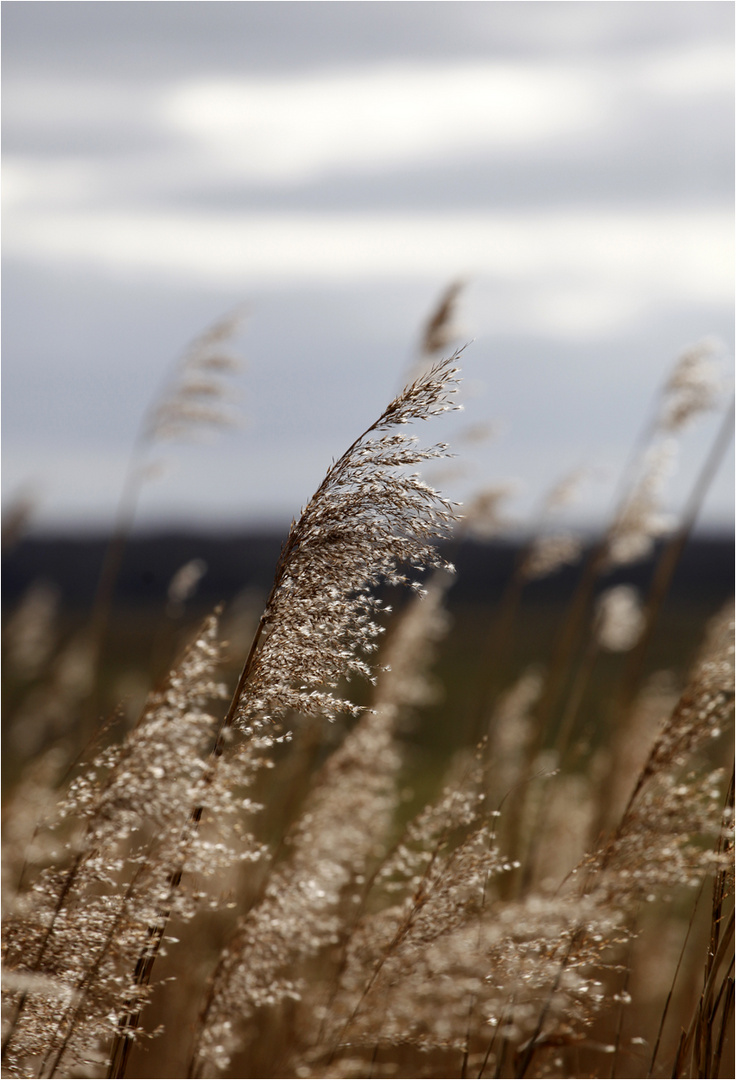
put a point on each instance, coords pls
(163, 40)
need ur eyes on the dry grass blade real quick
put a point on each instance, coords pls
(440, 330)
(190, 401)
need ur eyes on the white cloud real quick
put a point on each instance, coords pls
(110, 144)
(686, 72)
(29, 185)
(299, 127)
(286, 130)
(573, 272)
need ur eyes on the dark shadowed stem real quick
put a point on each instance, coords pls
(491, 1043)
(671, 991)
(503, 1055)
(621, 1012)
(727, 1012)
(696, 1044)
(130, 1019)
(113, 559)
(466, 1048)
(721, 883)
(699, 1053)
(497, 647)
(213, 981)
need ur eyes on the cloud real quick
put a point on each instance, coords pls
(705, 69)
(385, 116)
(286, 129)
(292, 129)
(587, 269)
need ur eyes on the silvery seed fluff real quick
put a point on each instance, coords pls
(370, 521)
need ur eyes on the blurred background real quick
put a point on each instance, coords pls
(328, 170)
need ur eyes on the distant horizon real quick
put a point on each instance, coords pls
(273, 530)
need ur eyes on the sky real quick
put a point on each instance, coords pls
(328, 169)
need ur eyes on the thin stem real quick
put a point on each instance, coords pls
(667, 563)
(671, 990)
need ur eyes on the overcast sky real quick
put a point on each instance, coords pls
(333, 166)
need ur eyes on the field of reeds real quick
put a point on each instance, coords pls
(258, 873)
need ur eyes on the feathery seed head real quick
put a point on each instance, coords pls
(548, 553)
(198, 392)
(440, 329)
(370, 522)
(484, 516)
(641, 521)
(619, 618)
(692, 388)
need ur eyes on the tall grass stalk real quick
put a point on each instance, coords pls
(193, 398)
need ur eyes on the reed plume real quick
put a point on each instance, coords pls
(314, 894)
(123, 823)
(370, 523)
(532, 973)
